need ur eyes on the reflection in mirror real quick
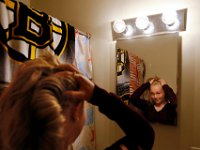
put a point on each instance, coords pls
(140, 59)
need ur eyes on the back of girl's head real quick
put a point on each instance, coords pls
(31, 107)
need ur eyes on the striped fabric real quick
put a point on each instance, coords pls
(25, 32)
(137, 72)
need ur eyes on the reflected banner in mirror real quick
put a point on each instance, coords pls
(123, 74)
(130, 73)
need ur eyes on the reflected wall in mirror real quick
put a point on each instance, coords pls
(142, 58)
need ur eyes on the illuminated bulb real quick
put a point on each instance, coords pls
(119, 26)
(169, 17)
(128, 31)
(175, 25)
(142, 22)
(150, 28)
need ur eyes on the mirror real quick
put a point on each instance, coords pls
(158, 56)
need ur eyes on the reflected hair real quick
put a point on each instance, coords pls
(31, 106)
(155, 79)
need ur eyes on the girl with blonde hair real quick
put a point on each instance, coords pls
(43, 109)
(161, 105)
(34, 111)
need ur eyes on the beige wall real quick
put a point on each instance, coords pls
(27, 2)
(95, 16)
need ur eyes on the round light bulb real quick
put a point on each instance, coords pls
(119, 26)
(150, 28)
(169, 17)
(129, 30)
(142, 22)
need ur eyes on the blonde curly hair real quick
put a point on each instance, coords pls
(31, 106)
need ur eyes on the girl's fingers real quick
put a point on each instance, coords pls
(68, 67)
(74, 94)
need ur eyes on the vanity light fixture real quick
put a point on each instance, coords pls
(166, 22)
(119, 26)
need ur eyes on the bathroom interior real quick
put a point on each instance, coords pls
(181, 53)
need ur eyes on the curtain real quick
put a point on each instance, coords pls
(86, 140)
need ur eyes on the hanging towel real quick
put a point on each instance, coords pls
(137, 72)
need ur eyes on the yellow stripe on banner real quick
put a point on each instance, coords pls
(10, 4)
(36, 12)
(33, 52)
(7, 34)
(57, 29)
(36, 33)
(52, 44)
(65, 41)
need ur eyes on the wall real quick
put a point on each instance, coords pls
(95, 16)
(27, 2)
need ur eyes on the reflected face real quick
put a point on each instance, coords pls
(157, 94)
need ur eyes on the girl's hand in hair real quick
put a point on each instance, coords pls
(151, 81)
(67, 67)
(86, 87)
(85, 91)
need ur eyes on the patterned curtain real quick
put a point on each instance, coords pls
(86, 140)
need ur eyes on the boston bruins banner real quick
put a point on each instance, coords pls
(25, 32)
(130, 73)
(123, 74)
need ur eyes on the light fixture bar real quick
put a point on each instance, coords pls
(158, 26)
